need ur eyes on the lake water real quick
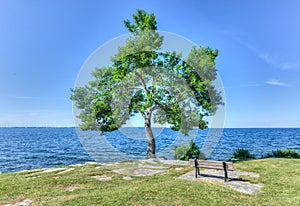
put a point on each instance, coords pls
(31, 148)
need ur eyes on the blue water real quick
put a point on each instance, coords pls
(31, 148)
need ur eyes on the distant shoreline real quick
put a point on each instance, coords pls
(153, 127)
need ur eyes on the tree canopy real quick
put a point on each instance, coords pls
(162, 86)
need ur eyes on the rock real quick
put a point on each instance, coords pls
(51, 170)
(76, 165)
(244, 187)
(71, 189)
(147, 172)
(119, 171)
(23, 203)
(212, 175)
(111, 164)
(178, 168)
(46, 170)
(174, 162)
(127, 178)
(34, 177)
(91, 163)
(152, 161)
(151, 166)
(102, 177)
(128, 163)
(68, 170)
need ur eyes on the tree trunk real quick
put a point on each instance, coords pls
(150, 137)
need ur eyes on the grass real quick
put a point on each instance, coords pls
(281, 179)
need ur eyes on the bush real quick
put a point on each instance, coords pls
(242, 154)
(285, 153)
(186, 152)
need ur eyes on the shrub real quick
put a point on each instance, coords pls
(186, 152)
(285, 153)
(242, 154)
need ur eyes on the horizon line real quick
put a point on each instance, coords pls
(273, 127)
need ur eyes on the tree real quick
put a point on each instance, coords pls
(161, 86)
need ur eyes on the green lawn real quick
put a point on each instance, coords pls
(281, 179)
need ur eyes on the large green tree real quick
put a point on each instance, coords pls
(161, 86)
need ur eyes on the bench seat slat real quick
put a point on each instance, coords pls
(215, 167)
(212, 164)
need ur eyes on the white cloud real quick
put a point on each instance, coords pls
(275, 82)
(273, 61)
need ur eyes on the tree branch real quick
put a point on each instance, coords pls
(156, 107)
(136, 88)
(143, 114)
(142, 81)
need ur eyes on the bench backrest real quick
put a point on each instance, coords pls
(211, 164)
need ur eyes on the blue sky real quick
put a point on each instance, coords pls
(43, 45)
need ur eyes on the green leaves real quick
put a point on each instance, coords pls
(142, 22)
(190, 151)
(141, 79)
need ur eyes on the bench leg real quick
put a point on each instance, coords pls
(197, 172)
(225, 171)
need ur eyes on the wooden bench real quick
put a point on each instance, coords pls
(211, 164)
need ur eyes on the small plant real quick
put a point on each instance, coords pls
(186, 152)
(285, 153)
(242, 154)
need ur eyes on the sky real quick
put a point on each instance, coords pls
(44, 43)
